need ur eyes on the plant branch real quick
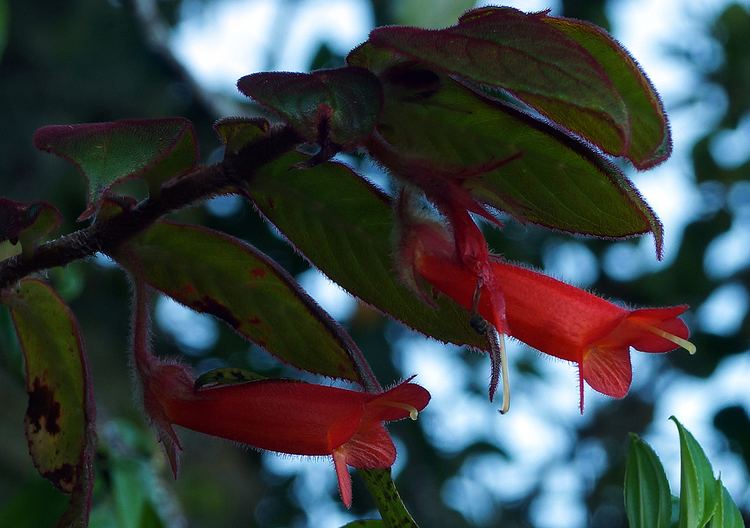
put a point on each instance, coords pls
(106, 234)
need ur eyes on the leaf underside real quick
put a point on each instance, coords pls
(502, 156)
(237, 283)
(340, 105)
(350, 240)
(572, 72)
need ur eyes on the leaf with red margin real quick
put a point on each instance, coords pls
(60, 416)
(518, 52)
(211, 272)
(505, 158)
(27, 222)
(107, 154)
(345, 226)
(650, 138)
(340, 104)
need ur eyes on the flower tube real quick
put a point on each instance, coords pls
(554, 317)
(285, 416)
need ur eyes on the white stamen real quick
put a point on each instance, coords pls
(497, 342)
(506, 379)
(684, 343)
(413, 412)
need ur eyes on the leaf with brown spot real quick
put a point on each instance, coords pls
(211, 272)
(43, 411)
(60, 416)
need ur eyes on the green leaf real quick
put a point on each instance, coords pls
(650, 142)
(226, 376)
(132, 494)
(345, 227)
(28, 223)
(21, 508)
(11, 357)
(727, 515)
(8, 250)
(47, 220)
(341, 104)
(698, 493)
(648, 502)
(503, 157)
(237, 132)
(383, 490)
(211, 272)
(369, 523)
(59, 420)
(107, 154)
(519, 52)
(130, 489)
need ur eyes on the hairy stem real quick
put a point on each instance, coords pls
(107, 234)
(382, 488)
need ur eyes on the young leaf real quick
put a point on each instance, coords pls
(155, 150)
(503, 157)
(339, 105)
(727, 515)
(28, 223)
(650, 142)
(236, 132)
(374, 58)
(60, 416)
(698, 493)
(648, 502)
(350, 240)
(226, 376)
(506, 48)
(211, 272)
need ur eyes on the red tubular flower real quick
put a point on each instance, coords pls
(556, 318)
(285, 416)
(467, 250)
(575, 325)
